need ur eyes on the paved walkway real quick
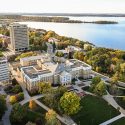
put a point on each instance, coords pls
(5, 118)
(109, 98)
(113, 119)
(26, 94)
(31, 98)
(66, 120)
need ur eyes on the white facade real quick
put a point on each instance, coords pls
(4, 70)
(74, 48)
(19, 37)
(65, 78)
(51, 72)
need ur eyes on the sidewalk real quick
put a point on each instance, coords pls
(65, 120)
(112, 120)
(5, 118)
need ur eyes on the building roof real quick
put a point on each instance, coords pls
(63, 51)
(31, 58)
(77, 63)
(18, 25)
(32, 73)
(63, 73)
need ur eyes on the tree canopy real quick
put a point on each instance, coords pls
(70, 102)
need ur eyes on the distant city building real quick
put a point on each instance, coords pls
(52, 39)
(73, 48)
(19, 37)
(4, 70)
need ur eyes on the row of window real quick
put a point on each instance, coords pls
(21, 49)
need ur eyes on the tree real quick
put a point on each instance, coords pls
(114, 79)
(59, 92)
(59, 54)
(16, 89)
(79, 55)
(44, 46)
(100, 88)
(51, 118)
(88, 47)
(32, 105)
(20, 96)
(122, 66)
(70, 102)
(96, 80)
(44, 87)
(2, 105)
(13, 99)
(54, 46)
(98, 69)
(18, 113)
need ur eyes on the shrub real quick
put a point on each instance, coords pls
(18, 114)
(13, 99)
(8, 88)
(16, 89)
(20, 96)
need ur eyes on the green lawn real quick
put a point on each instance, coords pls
(119, 122)
(94, 111)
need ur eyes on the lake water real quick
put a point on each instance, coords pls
(103, 35)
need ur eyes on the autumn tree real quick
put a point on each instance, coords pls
(79, 55)
(100, 88)
(32, 105)
(114, 79)
(44, 87)
(122, 66)
(96, 80)
(51, 118)
(13, 99)
(59, 54)
(70, 102)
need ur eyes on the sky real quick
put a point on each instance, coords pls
(63, 6)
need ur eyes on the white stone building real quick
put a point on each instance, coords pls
(45, 70)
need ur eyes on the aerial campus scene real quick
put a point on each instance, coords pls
(62, 62)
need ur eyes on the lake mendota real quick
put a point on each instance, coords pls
(103, 35)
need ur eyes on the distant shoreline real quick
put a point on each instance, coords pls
(70, 14)
(101, 22)
(19, 18)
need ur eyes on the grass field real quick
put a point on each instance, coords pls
(94, 111)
